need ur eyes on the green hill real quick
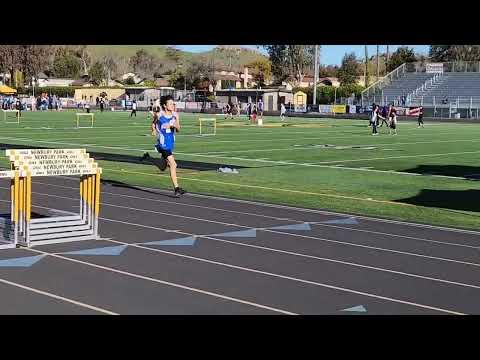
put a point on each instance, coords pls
(236, 56)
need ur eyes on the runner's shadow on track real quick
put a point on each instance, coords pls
(468, 172)
(120, 184)
(465, 200)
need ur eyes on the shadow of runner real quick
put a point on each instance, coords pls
(465, 171)
(190, 165)
(466, 200)
(120, 184)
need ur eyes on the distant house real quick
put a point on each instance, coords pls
(44, 80)
(161, 82)
(227, 79)
(83, 82)
(114, 83)
(136, 79)
(272, 97)
(309, 81)
(329, 81)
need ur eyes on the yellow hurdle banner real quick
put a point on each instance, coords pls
(28, 163)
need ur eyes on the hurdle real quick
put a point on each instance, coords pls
(8, 240)
(17, 116)
(84, 114)
(28, 163)
(214, 120)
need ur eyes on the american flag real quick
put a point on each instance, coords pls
(413, 111)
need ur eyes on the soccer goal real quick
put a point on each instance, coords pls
(80, 115)
(16, 114)
(208, 126)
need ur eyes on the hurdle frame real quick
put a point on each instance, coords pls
(11, 111)
(53, 229)
(92, 115)
(12, 222)
(214, 126)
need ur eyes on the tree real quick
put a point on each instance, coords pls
(196, 73)
(144, 64)
(278, 57)
(97, 73)
(177, 79)
(129, 81)
(122, 66)
(261, 71)
(402, 55)
(365, 72)
(81, 52)
(348, 72)
(328, 71)
(34, 58)
(66, 64)
(109, 65)
(228, 55)
(150, 83)
(173, 54)
(10, 59)
(28, 59)
(445, 53)
(290, 61)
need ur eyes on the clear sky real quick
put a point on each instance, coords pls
(330, 54)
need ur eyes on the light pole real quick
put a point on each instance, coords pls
(315, 76)
(335, 98)
(33, 86)
(184, 83)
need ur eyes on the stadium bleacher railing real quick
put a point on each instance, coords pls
(387, 80)
(373, 91)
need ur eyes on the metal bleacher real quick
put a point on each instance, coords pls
(453, 86)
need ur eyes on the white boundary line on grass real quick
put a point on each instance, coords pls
(330, 162)
(316, 164)
(318, 211)
(327, 212)
(319, 147)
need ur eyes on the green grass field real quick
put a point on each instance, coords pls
(421, 175)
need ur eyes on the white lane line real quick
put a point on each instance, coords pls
(168, 283)
(314, 211)
(272, 231)
(266, 248)
(264, 272)
(320, 164)
(317, 164)
(51, 295)
(273, 274)
(271, 217)
(296, 235)
(326, 212)
(316, 147)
